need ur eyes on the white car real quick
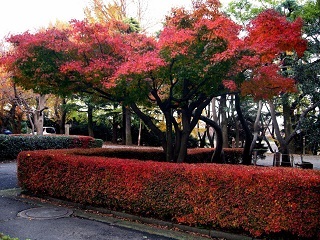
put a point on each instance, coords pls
(49, 130)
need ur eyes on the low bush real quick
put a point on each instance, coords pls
(6, 237)
(260, 201)
(203, 155)
(195, 155)
(12, 145)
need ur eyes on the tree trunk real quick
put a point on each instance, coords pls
(183, 147)
(90, 120)
(63, 118)
(287, 121)
(283, 148)
(128, 126)
(202, 139)
(217, 156)
(114, 137)
(177, 139)
(224, 122)
(149, 123)
(12, 117)
(15, 117)
(123, 132)
(246, 156)
(140, 132)
(169, 137)
(114, 130)
(186, 130)
(215, 119)
(38, 115)
(298, 124)
(256, 127)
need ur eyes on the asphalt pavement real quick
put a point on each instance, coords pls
(295, 158)
(63, 226)
(8, 175)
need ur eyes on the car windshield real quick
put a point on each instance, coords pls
(49, 130)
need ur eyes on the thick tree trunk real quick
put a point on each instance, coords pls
(169, 137)
(246, 156)
(283, 148)
(186, 130)
(12, 117)
(217, 156)
(183, 147)
(149, 123)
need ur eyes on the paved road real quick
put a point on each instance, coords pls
(314, 159)
(73, 228)
(8, 175)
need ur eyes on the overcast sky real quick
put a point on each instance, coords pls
(18, 16)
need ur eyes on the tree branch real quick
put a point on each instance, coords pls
(302, 117)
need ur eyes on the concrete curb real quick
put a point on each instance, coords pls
(170, 225)
(121, 219)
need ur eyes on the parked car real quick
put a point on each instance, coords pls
(49, 130)
(6, 132)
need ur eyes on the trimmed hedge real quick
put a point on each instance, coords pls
(12, 145)
(260, 201)
(195, 155)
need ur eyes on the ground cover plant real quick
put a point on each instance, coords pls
(6, 237)
(259, 201)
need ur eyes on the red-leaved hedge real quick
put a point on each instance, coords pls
(195, 155)
(260, 201)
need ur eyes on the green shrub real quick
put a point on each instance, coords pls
(12, 145)
(6, 237)
(260, 201)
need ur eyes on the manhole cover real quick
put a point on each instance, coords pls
(45, 213)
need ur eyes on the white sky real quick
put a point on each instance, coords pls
(18, 16)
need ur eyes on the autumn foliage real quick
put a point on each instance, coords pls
(101, 53)
(199, 54)
(270, 35)
(267, 83)
(254, 200)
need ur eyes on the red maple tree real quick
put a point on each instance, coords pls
(199, 54)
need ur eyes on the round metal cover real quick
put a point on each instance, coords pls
(45, 213)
